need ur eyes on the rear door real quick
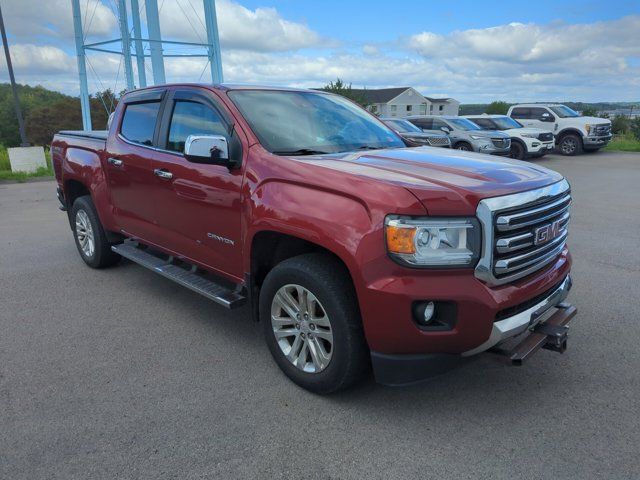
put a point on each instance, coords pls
(199, 205)
(130, 148)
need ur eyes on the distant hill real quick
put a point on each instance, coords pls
(45, 112)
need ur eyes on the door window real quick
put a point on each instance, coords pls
(192, 118)
(524, 113)
(139, 122)
(438, 124)
(536, 113)
(485, 123)
(423, 123)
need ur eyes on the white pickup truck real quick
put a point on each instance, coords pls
(573, 132)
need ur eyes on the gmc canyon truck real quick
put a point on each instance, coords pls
(352, 250)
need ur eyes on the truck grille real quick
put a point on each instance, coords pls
(523, 232)
(603, 129)
(545, 137)
(501, 142)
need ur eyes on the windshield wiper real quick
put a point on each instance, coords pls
(300, 151)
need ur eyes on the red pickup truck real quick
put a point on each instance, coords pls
(354, 249)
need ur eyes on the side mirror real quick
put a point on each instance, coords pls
(546, 117)
(446, 130)
(210, 149)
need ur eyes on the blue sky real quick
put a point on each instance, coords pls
(470, 50)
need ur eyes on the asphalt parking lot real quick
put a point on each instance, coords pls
(120, 374)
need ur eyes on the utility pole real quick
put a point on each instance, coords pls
(137, 34)
(16, 100)
(211, 22)
(155, 41)
(82, 66)
(126, 43)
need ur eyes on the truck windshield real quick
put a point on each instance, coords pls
(463, 124)
(564, 112)
(505, 123)
(306, 123)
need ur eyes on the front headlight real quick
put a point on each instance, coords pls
(479, 137)
(433, 242)
(590, 129)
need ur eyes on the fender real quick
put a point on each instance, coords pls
(569, 130)
(85, 166)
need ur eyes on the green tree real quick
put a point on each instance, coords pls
(635, 127)
(620, 124)
(341, 88)
(589, 112)
(497, 108)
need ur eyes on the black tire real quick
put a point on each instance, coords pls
(464, 146)
(518, 151)
(101, 255)
(327, 279)
(570, 144)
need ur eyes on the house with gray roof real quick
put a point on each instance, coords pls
(405, 101)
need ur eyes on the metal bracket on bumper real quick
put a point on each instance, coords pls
(551, 335)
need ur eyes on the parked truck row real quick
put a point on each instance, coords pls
(352, 246)
(533, 131)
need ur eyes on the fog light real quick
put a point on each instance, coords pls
(429, 310)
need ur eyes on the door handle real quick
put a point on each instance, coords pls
(115, 162)
(159, 172)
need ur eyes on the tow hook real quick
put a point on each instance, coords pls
(556, 336)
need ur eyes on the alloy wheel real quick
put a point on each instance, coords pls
(84, 233)
(302, 328)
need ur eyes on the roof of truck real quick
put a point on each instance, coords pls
(536, 105)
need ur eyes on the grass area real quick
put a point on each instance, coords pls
(7, 174)
(623, 143)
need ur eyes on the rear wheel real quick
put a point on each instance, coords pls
(312, 324)
(570, 144)
(91, 240)
(518, 151)
(464, 146)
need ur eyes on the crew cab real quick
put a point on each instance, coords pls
(525, 142)
(573, 132)
(353, 250)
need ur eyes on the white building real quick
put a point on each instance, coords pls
(405, 101)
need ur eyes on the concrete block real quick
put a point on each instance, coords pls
(26, 159)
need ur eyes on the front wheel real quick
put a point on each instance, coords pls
(312, 323)
(91, 240)
(570, 144)
(464, 146)
(517, 151)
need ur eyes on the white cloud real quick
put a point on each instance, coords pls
(262, 29)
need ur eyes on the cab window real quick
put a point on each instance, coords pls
(524, 113)
(139, 122)
(485, 123)
(192, 118)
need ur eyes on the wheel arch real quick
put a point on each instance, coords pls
(567, 131)
(269, 248)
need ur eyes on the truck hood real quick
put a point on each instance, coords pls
(447, 182)
(590, 120)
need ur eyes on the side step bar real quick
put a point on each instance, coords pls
(221, 294)
(550, 335)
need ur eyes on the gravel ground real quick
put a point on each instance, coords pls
(121, 374)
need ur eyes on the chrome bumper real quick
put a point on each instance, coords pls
(512, 326)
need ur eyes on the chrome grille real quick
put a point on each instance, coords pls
(438, 141)
(501, 142)
(603, 129)
(545, 137)
(523, 232)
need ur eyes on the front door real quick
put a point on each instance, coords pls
(198, 205)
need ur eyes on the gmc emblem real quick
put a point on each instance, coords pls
(546, 233)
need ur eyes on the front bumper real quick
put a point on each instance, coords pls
(400, 370)
(537, 147)
(596, 141)
(517, 324)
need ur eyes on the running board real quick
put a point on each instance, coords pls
(221, 294)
